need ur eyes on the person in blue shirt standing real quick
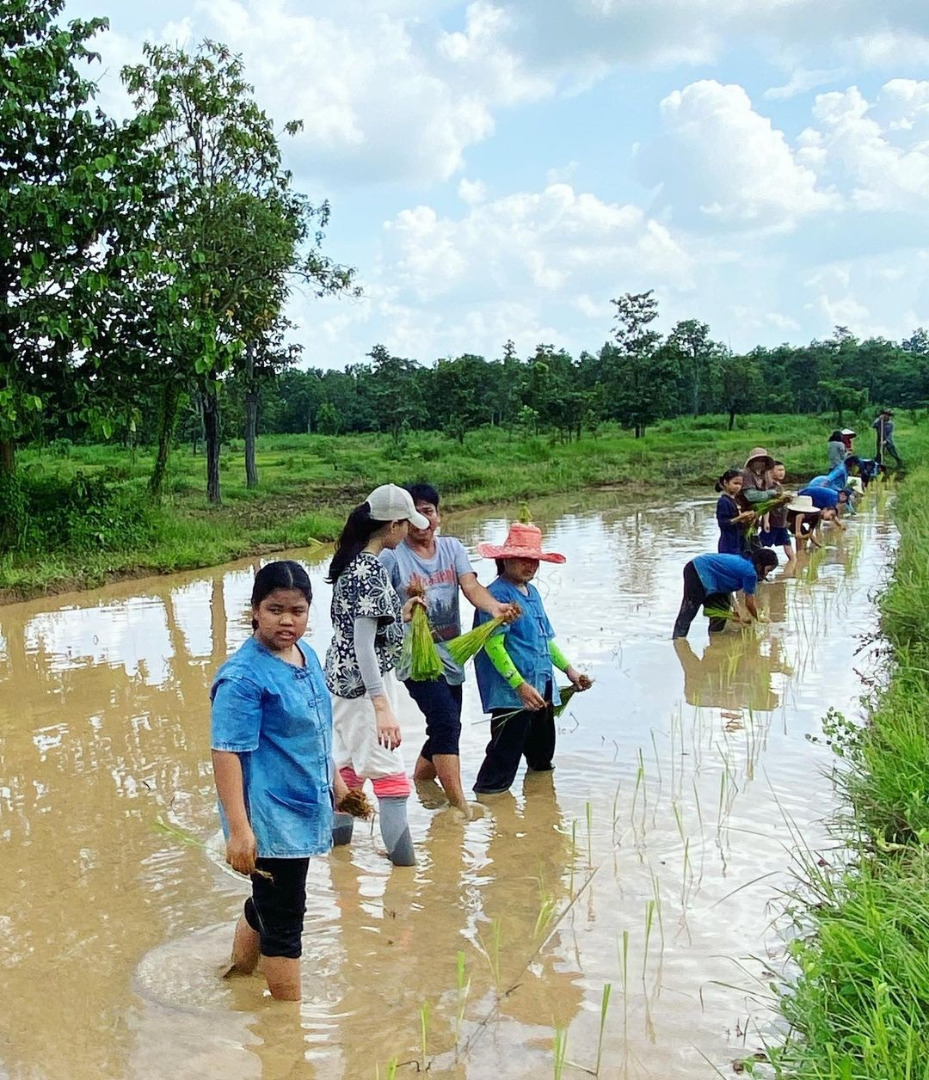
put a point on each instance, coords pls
(710, 580)
(271, 738)
(515, 670)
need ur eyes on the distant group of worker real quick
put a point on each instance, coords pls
(755, 516)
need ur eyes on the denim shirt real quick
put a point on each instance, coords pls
(278, 719)
(526, 644)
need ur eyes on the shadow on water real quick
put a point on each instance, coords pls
(646, 861)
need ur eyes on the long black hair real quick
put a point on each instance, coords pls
(357, 531)
(729, 474)
(284, 574)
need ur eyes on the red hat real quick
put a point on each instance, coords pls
(522, 542)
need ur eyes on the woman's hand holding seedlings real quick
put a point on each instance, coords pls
(241, 850)
(407, 609)
(578, 680)
(530, 697)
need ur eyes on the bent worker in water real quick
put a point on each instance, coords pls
(710, 581)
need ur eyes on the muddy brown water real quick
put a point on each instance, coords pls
(651, 860)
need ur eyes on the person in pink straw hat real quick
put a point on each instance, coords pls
(515, 670)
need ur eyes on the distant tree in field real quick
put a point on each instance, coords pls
(642, 376)
(739, 384)
(397, 398)
(697, 356)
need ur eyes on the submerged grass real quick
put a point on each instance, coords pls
(859, 1007)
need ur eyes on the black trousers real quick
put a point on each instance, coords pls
(514, 735)
(696, 595)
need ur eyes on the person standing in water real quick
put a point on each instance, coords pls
(884, 431)
(367, 638)
(515, 670)
(756, 482)
(439, 565)
(774, 531)
(271, 738)
(731, 520)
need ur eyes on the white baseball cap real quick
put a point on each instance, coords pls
(392, 503)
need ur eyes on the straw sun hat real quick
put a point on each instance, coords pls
(803, 504)
(759, 452)
(522, 542)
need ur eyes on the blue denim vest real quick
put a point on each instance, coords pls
(526, 644)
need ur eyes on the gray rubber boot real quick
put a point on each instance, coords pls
(395, 831)
(342, 826)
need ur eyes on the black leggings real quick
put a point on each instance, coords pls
(514, 734)
(276, 907)
(694, 595)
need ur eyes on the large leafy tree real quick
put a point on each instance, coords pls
(67, 180)
(231, 233)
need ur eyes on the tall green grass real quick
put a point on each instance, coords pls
(859, 1009)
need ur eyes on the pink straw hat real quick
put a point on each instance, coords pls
(522, 542)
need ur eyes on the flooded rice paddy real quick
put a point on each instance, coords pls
(652, 861)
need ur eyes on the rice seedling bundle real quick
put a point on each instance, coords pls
(357, 804)
(421, 657)
(469, 644)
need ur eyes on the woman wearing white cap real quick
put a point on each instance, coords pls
(367, 636)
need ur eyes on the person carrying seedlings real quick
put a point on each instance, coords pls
(515, 671)
(367, 638)
(439, 566)
(731, 520)
(884, 432)
(710, 580)
(756, 482)
(774, 532)
(271, 738)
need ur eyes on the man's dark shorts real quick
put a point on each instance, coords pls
(441, 706)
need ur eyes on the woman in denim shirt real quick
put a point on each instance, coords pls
(515, 671)
(272, 750)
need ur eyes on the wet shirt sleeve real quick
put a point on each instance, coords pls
(235, 717)
(749, 581)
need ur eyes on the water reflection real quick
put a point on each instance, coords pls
(104, 727)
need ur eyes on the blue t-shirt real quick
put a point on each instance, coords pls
(278, 719)
(526, 645)
(731, 537)
(836, 478)
(726, 573)
(824, 498)
(439, 576)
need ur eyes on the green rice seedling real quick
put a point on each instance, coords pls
(624, 972)
(182, 836)
(424, 1017)
(615, 811)
(463, 984)
(589, 815)
(462, 648)
(656, 893)
(492, 950)
(560, 1050)
(565, 693)
(546, 910)
(573, 860)
(420, 656)
(604, 1008)
(649, 920)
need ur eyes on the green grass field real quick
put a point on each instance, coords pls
(309, 482)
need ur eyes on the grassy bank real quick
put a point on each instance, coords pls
(91, 521)
(860, 1007)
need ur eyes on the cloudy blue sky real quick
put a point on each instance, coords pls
(502, 168)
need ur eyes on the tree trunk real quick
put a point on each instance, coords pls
(251, 417)
(209, 399)
(731, 419)
(7, 457)
(167, 421)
